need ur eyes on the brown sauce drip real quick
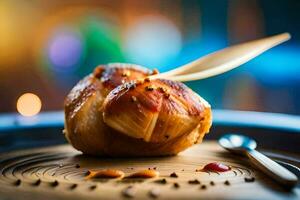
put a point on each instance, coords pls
(107, 173)
(148, 173)
(161, 181)
(176, 185)
(195, 181)
(173, 175)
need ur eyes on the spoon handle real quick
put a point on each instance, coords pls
(223, 60)
(273, 169)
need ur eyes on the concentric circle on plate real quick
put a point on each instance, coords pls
(60, 170)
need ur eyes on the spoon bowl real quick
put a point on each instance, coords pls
(237, 143)
(245, 146)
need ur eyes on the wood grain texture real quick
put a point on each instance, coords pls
(68, 167)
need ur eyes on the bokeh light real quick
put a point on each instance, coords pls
(65, 50)
(102, 38)
(29, 104)
(152, 41)
(73, 40)
(63, 42)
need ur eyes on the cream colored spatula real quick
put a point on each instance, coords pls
(223, 60)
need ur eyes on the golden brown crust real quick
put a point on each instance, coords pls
(154, 110)
(149, 93)
(79, 94)
(84, 126)
(102, 81)
(87, 132)
(115, 74)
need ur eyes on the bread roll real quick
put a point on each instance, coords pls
(118, 111)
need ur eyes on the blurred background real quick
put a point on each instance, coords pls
(47, 46)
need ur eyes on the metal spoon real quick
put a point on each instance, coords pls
(244, 145)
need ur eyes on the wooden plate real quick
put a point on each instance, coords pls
(54, 171)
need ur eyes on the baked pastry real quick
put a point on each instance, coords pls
(118, 111)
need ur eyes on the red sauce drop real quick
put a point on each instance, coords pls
(217, 167)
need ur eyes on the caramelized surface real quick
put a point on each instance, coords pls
(104, 79)
(84, 126)
(142, 118)
(115, 74)
(154, 110)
